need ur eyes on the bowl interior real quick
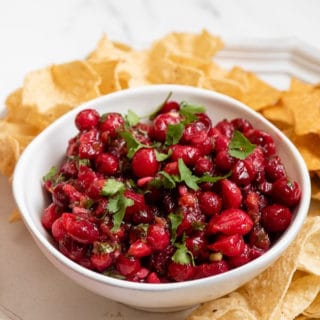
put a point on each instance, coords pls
(49, 147)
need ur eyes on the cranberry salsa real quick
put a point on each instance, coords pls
(170, 198)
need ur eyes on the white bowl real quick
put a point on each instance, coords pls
(48, 149)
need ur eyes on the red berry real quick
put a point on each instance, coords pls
(210, 203)
(127, 265)
(58, 231)
(226, 128)
(224, 161)
(211, 269)
(50, 215)
(158, 236)
(112, 123)
(87, 119)
(242, 173)
(101, 261)
(229, 245)
(107, 164)
(230, 222)
(276, 218)
(275, 168)
(72, 249)
(188, 154)
(161, 122)
(231, 194)
(144, 163)
(170, 106)
(90, 144)
(180, 272)
(194, 133)
(203, 166)
(80, 229)
(139, 249)
(262, 139)
(286, 191)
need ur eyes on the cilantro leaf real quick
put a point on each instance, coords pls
(155, 113)
(162, 156)
(187, 176)
(50, 175)
(168, 181)
(174, 133)
(131, 118)
(117, 205)
(240, 147)
(182, 255)
(111, 187)
(213, 179)
(189, 111)
(133, 145)
(175, 219)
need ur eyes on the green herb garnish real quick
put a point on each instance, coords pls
(240, 147)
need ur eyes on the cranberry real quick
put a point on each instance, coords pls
(69, 169)
(286, 191)
(230, 222)
(159, 260)
(210, 203)
(275, 168)
(153, 278)
(50, 215)
(107, 164)
(242, 173)
(188, 154)
(90, 144)
(172, 168)
(72, 249)
(204, 118)
(87, 119)
(221, 142)
(231, 194)
(101, 261)
(276, 218)
(161, 122)
(139, 249)
(259, 238)
(139, 202)
(170, 106)
(262, 139)
(111, 123)
(211, 269)
(203, 166)
(79, 229)
(144, 163)
(241, 124)
(224, 161)
(241, 259)
(194, 133)
(180, 272)
(225, 127)
(229, 245)
(127, 266)
(57, 229)
(197, 245)
(158, 236)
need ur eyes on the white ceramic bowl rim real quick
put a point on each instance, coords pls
(283, 242)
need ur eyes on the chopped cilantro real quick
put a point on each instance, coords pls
(131, 118)
(155, 113)
(182, 255)
(111, 187)
(187, 176)
(189, 111)
(175, 219)
(174, 133)
(162, 156)
(50, 175)
(240, 147)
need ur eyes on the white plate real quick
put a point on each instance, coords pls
(31, 288)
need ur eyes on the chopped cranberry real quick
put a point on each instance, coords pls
(211, 269)
(194, 133)
(72, 249)
(229, 245)
(172, 168)
(87, 119)
(224, 161)
(242, 173)
(221, 142)
(139, 249)
(225, 127)
(230, 222)
(158, 236)
(231, 194)
(101, 261)
(80, 229)
(180, 272)
(242, 125)
(259, 238)
(90, 144)
(127, 265)
(57, 229)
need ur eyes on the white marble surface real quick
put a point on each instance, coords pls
(37, 33)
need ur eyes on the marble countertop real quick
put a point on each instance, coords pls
(37, 33)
